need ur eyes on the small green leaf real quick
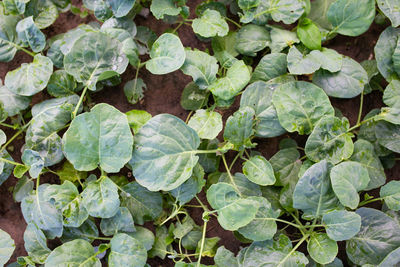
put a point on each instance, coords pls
(137, 118)
(391, 195)
(35, 243)
(258, 170)
(134, 90)
(391, 10)
(121, 8)
(384, 50)
(322, 249)
(62, 84)
(300, 64)
(122, 221)
(193, 98)
(210, 24)
(30, 34)
(239, 128)
(251, 39)
(207, 124)
(126, 251)
(13, 103)
(7, 247)
(341, 225)
(309, 34)
(270, 66)
(160, 8)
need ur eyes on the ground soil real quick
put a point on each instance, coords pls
(163, 96)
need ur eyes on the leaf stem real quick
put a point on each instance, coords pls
(9, 125)
(177, 27)
(230, 176)
(11, 162)
(233, 22)
(365, 202)
(361, 108)
(15, 136)
(234, 160)
(203, 239)
(79, 102)
(293, 250)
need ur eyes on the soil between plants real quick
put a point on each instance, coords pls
(163, 96)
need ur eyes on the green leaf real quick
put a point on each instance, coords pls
(143, 204)
(99, 137)
(35, 243)
(280, 39)
(258, 96)
(309, 34)
(22, 189)
(318, 13)
(160, 244)
(134, 90)
(224, 49)
(160, 8)
(244, 186)
(225, 257)
(13, 103)
(322, 249)
(330, 140)
(38, 210)
(287, 11)
(44, 12)
(100, 57)
(62, 84)
(379, 235)
(68, 173)
(263, 227)
(207, 124)
(122, 221)
(14, 7)
(121, 8)
(346, 83)
(341, 225)
(286, 165)
(364, 154)
(390, 194)
(87, 231)
(8, 37)
(300, 64)
(233, 211)
(391, 10)
(201, 66)
(126, 251)
(270, 66)
(189, 189)
(351, 18)
(30, 78)
(251, 39)
(164, 167)
(210, 24)
(330, 59)
(258, 170)
(74, 253)
(239, 128)
(313, 193)
(35, 162)
(100, 198)
(388, 135)
(296, 103)
(271, 253)
(7, 247)
(145, 236)
(345, 186)
(193, 98)
(391, 95)
(391, 259)
(30, 34)
(137, 118)
(384, 50)
(237, 77)
(167, 55)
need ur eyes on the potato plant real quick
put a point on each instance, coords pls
(289, 210)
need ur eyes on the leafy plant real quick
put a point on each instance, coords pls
(296, 208)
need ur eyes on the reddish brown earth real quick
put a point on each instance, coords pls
(163, 96)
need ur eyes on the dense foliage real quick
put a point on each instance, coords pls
(285, 78)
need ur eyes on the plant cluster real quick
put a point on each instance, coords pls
(284, 78)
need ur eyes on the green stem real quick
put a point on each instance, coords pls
(80, 102)
(177, 210)
(233, 22)
(9, 125)
(361, 123)
(298, 223)
(15, 136)
(201, 204)
(230, 176)
(177, 27)
(98, 237)
(293, 250)
(234, 160)
(365, 202)
(188, 116)
(361, 108)
(11, 162)
(203, 239)
(25, 50)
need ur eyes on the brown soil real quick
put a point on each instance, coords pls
(163, 96)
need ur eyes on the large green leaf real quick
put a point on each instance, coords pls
(100, 198)
(391, 195)
(263, 227)
(8, 37)
(76, 253)
(318, 13)
(13, 103)
(210, 24)
(379, 235)
(29, 34)
(7, 247)
(126, 251)
(365, 155)
(270, 66)
(392, 259)
(341, 225)
(207, 124)
(391, 10)
(239, 128)
(233, 211)
(313, 193)
(384, 50)
(237, 77)
(93, 56)
(251, 39)
(165, 153)
(99, 137)
(345, 186)
(31, 78)
(322, 249)
(160, 8)
(35, 243)
(300, 105)
(300, 64)
(351, 18)
(143, 204)
(201, 66)
(167, 54)
(258, 170)
(330, 140)
(346, 83)
(258, 96)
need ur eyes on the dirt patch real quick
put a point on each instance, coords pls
(163, 96)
